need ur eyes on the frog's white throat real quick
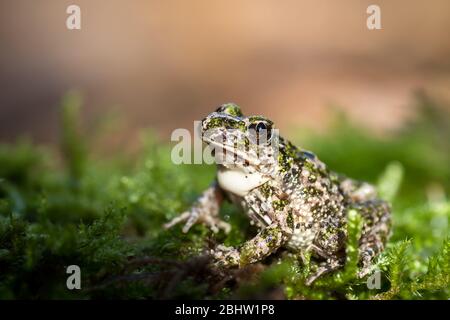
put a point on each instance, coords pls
(237, 181)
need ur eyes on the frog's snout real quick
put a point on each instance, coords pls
(203, 126)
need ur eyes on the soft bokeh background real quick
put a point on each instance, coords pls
(163, 64)
(159, 65)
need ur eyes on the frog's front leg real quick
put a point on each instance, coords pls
(205, 210)
(267, 241)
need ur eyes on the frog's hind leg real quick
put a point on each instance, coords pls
(376, 213)
(358, 191)
(375, 232)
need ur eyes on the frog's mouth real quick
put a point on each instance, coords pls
(223, 151)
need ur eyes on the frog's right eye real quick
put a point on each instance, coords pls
(258, 127)
(260, 132)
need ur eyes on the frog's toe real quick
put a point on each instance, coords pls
(176, 220)
(366, 268)
(193, 217)
(364, 272)
(215, 224)
(225, 226)
(190, 217)
(198, 215)
(210, 222)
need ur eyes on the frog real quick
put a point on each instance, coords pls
(295, 201)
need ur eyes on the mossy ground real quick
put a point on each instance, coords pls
(75, 206)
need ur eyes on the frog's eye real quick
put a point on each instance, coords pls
(231, 109)
(260, 132)
(260, 127)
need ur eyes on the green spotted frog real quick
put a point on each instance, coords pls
(295, 201)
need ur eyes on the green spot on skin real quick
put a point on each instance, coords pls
(225, 123)
(232, 109)
(284, 162)
(270, 236)
(290, 219)
(279, 204)
(215, 123)
(259, 118)
(266, 190)
(290, 150)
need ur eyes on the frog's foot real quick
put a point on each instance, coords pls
(365, 270)
(206, 211)
(325, 267)
(195, 215)
(366, 258)
(226, 256)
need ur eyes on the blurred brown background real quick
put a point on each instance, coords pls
(163, 64)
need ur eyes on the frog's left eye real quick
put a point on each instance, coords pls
(260, 132)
